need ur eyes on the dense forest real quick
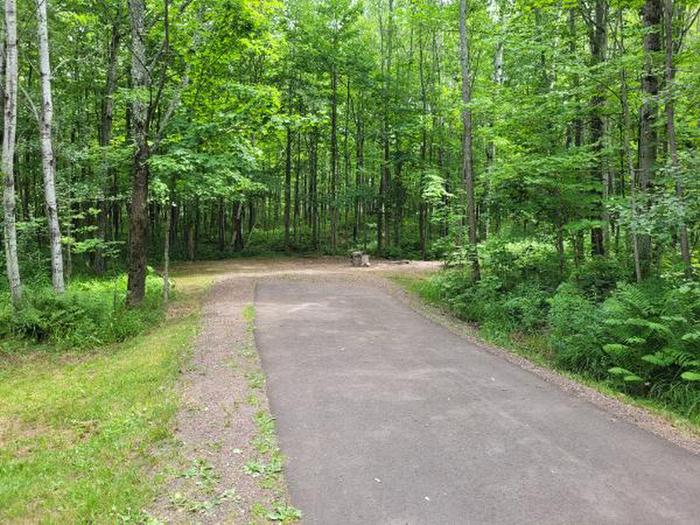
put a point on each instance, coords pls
(546, 150)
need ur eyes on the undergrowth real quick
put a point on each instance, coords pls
(91, 313)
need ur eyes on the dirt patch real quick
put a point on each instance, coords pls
(217, 427)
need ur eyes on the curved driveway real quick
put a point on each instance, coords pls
(388, 418)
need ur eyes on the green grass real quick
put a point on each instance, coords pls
(79, 432)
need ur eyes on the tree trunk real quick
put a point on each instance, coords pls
(385, 176)
(48, 161)
(138, 213)
(334, 159)
(166, 247)
(106, 122)
(598, 52)
(287, 187)
(671, 137)
(238, 226)
(8, 152)
(648, 138)
(467, 165)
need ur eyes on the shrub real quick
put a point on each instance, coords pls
(88, 314)
(598, 276)
(525, 308)
(652, 336)
(575, 332)
(518, 261)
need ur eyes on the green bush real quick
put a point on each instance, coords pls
(90, 313)
(643, 339)
(652, 337)
(491, 305)
(525, 308)
(575, 332)
(598, 277)
(519, 261)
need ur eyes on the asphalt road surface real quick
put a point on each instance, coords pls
(388, 418)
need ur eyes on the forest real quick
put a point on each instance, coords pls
(547, 152)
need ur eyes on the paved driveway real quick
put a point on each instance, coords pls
(388, 418)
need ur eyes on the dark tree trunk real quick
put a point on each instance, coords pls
(648, 136)
(598, 52)
(138, 215)
(106, 122)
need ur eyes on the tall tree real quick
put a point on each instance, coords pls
(8, 151)
(648, 135)
(671, 136)
(598, 43)
(47, 155)
(467, 139)
(138, 212)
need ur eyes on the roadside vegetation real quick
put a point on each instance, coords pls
(91, 313)
(86, 394)
(638, 339)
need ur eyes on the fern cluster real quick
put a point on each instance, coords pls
(653, 334)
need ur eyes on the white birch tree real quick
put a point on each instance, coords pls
(8, 151)
(47, 157)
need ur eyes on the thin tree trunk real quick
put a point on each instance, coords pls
(106, 124)
(138, 215)
(334, 159)
(598, 51)
(287, 187)
(627, 152)
(47, 157)
(166, 247)
(467, 165)
(8, 152)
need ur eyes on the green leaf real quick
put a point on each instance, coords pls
(691, 376)
(656, 359)
(618, 371)
(691, 337)
(615, 348)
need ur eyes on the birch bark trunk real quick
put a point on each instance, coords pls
(8, 152)
(48, 162)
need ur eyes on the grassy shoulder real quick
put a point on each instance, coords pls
(78, 429)
(537, 348)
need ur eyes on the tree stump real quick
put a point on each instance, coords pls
(359, 259)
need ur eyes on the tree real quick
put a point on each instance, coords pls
(467, 161)
(648, 135)
(138, 213)
(671, 136)
(8, 151)
(47, 156)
